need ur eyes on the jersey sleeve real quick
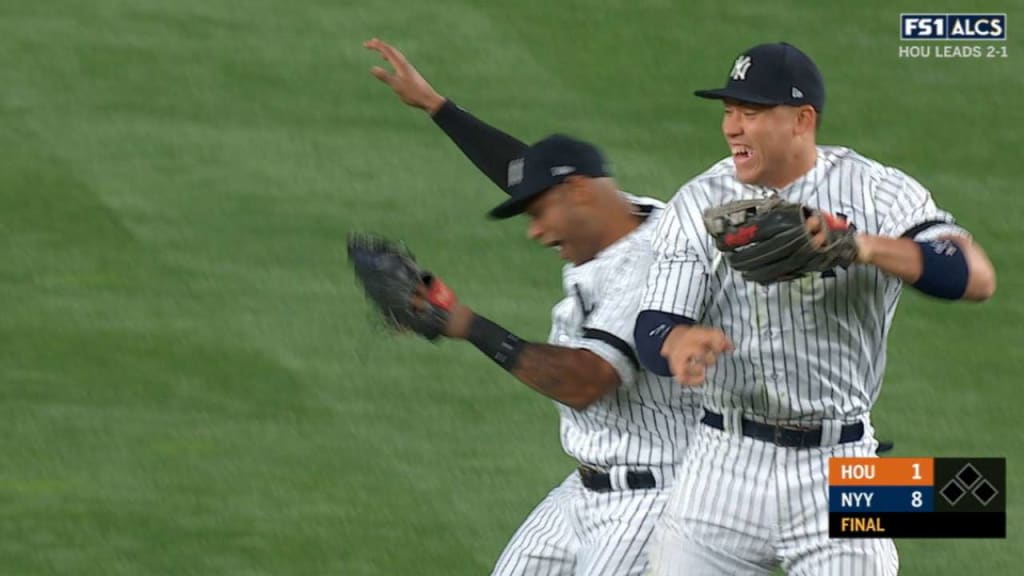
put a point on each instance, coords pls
(683, 254)
(608, 330)
(910, 211)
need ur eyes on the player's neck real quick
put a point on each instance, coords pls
(621, 225)
(799, 164)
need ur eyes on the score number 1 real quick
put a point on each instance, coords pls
(915, 496)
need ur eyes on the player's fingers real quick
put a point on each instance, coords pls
(719, 343)
(394, 57)
(375, 45)
(693, 374)
(389, 54)
(679, 366)
(820, 238)
(813, 224)
(727, 346)
(382, 75)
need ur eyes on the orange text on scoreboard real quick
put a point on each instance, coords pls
(881, 471)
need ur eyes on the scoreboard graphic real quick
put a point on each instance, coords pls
(917, 498)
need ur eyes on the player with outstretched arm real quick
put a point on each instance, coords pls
(625, 426)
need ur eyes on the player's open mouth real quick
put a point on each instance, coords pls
(741, 154)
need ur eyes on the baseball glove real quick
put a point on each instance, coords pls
(407, 296)
(767, 240)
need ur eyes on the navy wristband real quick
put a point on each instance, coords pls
(652, 327)
(495, 342)
(944, 271)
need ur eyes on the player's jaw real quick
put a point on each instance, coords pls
(548, 240)
(558, 246)
(561, 244)
(549, 222)
(545, 238)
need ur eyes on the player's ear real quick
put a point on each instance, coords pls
(806, 120)
(577, 189)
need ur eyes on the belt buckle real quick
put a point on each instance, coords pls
(777, 436)
(791, 437)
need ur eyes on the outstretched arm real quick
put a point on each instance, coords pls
(921, 244)
(573, 376)
(410, 298)
(951, 267)
(488, 148)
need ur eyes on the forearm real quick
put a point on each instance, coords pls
(904, 258)
(900, 257)
(563, 374)
(571, 376)
(488, 148)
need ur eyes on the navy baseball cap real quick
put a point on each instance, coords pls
(545, 165)
(773, 75)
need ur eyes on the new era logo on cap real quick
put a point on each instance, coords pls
(562, 170)
(797, 93)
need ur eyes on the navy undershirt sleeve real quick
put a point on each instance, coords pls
(488, 148)
(652, 327)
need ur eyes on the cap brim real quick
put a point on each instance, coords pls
(736, 94)
(511, 207)
(518, 203)
(515, 205)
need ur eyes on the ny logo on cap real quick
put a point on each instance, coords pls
(739, 69)
(515, 172)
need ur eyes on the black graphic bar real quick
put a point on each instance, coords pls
(917, 525)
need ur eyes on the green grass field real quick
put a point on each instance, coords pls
(189, 379)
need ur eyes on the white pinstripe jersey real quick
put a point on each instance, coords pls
(642, 422)
(806, 350)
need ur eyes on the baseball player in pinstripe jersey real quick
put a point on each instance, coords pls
(625, 426)
(790, 370)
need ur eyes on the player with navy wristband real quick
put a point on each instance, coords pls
(790, 364)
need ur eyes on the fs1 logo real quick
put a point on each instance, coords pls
(953, 26)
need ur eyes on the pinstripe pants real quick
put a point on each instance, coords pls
(577, 532)
(742, 507)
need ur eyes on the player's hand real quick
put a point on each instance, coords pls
(818, 226)
(820, 223)
(406, 81)
(458, 321)
(690, 350)
(818, 233)
(438, 294)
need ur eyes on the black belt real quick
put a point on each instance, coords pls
(602, 481)
(788, 437)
